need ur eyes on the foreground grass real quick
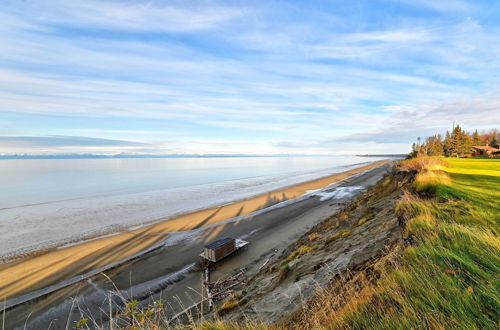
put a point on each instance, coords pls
(450, 277)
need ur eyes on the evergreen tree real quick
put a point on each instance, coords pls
(434, 146)
(494, 142)
(414, 152)
(475, 138)
(447, 144)
(438, 149)
(456, 143)
(465, 145)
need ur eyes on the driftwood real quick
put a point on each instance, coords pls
(265, 263)
(209, 295)
(223, 285)
(227, 279)
(184, 311)
(226, 288)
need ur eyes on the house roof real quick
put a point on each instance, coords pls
(486, 148)
(219, 243)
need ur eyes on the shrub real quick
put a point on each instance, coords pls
(306, 249)
(365, 219)
(229, 305)
(332, 238)
(284, 270)
(303, 249)
(313, 236)
(343, 216)
(292, 256)
(342, 233)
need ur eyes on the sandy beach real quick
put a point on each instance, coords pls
(57, 265)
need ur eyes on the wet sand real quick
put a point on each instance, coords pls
(33, 273)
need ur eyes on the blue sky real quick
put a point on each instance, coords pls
(305, 77)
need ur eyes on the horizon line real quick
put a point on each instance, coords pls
(117, 156)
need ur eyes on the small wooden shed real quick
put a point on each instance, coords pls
(217, 250)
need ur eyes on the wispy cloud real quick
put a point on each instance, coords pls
(58, 141)
(171, 16)
(64, 144)
(446, 6)
(407, 123)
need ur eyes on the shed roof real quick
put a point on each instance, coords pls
(486, 148)
(219, 243)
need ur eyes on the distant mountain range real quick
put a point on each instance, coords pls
(385, 155)
(94, 156)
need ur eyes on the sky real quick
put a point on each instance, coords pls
(244, 77)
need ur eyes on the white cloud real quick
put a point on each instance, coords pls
(447, 6)
(406, 123)
(139, 16)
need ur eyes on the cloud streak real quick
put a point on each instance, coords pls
(137, 16)
(61, 141)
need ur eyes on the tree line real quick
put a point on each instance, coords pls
(456, 143)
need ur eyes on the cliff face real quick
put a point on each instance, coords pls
(331, 254)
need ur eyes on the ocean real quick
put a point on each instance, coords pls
(46, 202)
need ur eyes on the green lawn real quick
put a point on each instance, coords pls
(477, 181)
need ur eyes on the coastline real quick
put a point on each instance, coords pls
(56, 266)
(58, 221)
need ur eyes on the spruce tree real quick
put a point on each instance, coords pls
(466, 144)
(447, 144)
(455, 141)
(494, 142)
(475, 138)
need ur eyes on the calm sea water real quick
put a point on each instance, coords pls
(33, 181)
(50, 201)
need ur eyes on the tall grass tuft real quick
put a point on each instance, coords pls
(429, 181)
(421, 163)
